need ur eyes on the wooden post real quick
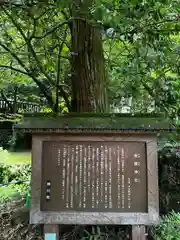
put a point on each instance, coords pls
(138, 232)
(51, 232)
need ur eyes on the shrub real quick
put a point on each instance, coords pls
(4, 169)
(9, 174)
(20, 141)
(4, 174)
(169, 228)
(22, 173)
(169, 179)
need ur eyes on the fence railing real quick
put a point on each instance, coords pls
(14, 182)
(19, 107)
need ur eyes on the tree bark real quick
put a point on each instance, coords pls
(88, 65)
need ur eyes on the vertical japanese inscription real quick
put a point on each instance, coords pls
(129, 192)
(76, 171)
(122, 176)
(63, 173)
(106, 178)
(137, 165)
(93, 178)
(98, 176)
(59, 157)
(85, 177)
(72, 175)
(110, 178)
(118, 177)
(102, 167)
(89, 168)
(67, 149)
(80, 176)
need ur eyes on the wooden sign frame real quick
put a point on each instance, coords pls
(92, 218)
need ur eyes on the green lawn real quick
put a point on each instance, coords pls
(16, 158)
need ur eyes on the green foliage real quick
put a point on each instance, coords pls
(47, 110)
(9, 174)
(4, 174)
(169, 228)
(103, 232)
(169, 179)
(141, 49)
(8, 194)
(62, 108)
(32, 52)
(22, 172)
(14, 172)
(12, 142)
(4, 154)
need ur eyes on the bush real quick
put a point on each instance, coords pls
(5, 133)
(22, 173)
(169, 179)
(4, 169)
(4, 174)
(169, 228)
(9, 174)
(20, 141)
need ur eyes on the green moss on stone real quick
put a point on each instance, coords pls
(91, 121)
(94, 115)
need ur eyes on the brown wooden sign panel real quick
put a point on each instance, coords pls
(94, 176)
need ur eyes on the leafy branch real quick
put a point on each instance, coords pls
(32, 51)
(53, 29)
(27, 72)
(58, 86)
(30, 47)
(14, 69)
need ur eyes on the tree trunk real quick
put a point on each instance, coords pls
(88, 65)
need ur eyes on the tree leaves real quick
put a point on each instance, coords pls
(141, 47)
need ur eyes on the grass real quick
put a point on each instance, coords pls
(16, 158)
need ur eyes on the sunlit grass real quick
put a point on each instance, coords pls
(16, 158)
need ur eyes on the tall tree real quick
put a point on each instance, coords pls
(88, 65)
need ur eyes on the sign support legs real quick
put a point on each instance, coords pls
(138, 232)
(51, 232)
